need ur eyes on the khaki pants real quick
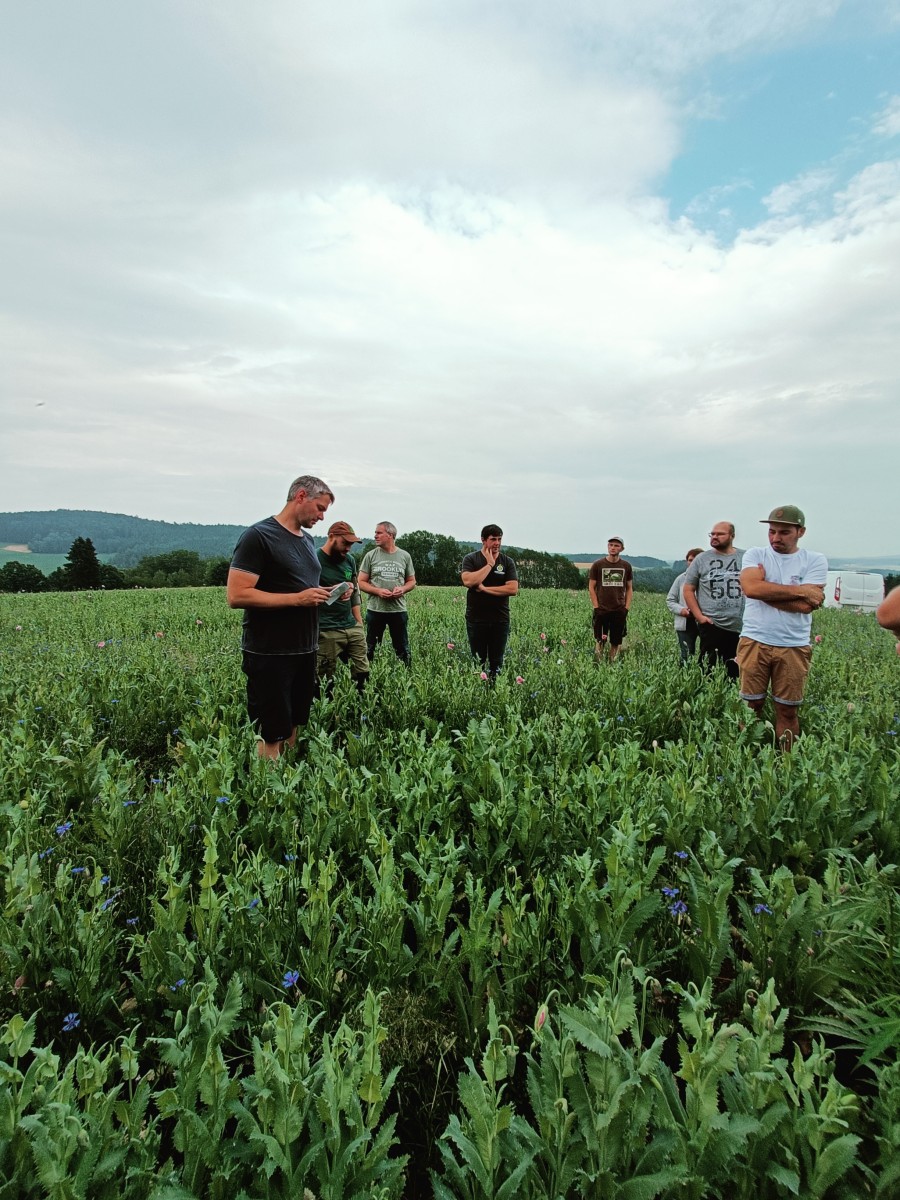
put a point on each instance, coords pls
(348, 644)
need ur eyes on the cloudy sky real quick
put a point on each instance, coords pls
(578, 268)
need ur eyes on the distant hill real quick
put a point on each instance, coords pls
(639, 561)
(124, 540)
(117, 538)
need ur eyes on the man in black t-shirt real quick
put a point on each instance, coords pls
(274, 577)
(491, 578)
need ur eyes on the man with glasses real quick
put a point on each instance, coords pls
(712, 593)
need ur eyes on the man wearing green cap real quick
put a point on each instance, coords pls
(783, 586)
(341, 633)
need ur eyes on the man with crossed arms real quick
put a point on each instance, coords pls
(784, 585)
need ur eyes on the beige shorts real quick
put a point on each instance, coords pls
(784, 667)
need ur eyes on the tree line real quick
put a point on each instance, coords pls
(437, 558)
(82, 571)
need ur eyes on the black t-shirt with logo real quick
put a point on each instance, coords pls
(479, 606)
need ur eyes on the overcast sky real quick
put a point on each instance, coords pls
(578, 268)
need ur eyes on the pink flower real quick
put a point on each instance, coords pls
(100, 645)
(540, 1019)
(543, 637)
(484, 674)
(451, 646)
(546, 649)
(818, 638)
(160, 634)
(520, 679)
(563, 642)
(198, 622)
(18, 628)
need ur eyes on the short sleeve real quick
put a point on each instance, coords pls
(692, 575)
(249, 553)
(818, 570)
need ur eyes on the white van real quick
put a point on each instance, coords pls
(861, 590)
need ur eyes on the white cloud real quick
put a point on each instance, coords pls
(416, 250)
(887, 122)
(802, 193)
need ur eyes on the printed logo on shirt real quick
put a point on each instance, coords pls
(612, 577)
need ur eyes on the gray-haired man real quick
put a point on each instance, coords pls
(274, 578)
(386, 574)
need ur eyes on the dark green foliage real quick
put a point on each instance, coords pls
(537, 569)
(176, 568)
(21, 577)
(81, 570)
(436, 557)
(128, 538)
(111, 578)
(628, 948)
(216, 574)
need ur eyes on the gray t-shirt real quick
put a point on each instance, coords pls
(387, 571)
(716, 578)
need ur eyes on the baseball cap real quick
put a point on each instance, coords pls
(342, 529)
(615, 539)
(787, 514)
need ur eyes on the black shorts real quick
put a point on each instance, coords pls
(280, 692)
(611, 625)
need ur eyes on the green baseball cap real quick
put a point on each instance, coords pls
(787, 514)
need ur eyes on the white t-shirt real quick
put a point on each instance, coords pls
(773, 626)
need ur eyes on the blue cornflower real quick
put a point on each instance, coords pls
(107, 903)
(104, 879)
(290, 979)
(620, 718)
(179, 983)
(71, 1021)
(62, 830)
(678, 908)
(78, 870)
(46, 853)
(254, 902)
(176, 732)
(759, 909)
(131, 920)
(290, 858)
(682, 854)
(222, 800)
(128, 803)
(670, 891)
(156, 781)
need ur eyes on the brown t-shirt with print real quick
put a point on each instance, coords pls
(610, 579)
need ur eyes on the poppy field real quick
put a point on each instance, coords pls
(582, 933)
